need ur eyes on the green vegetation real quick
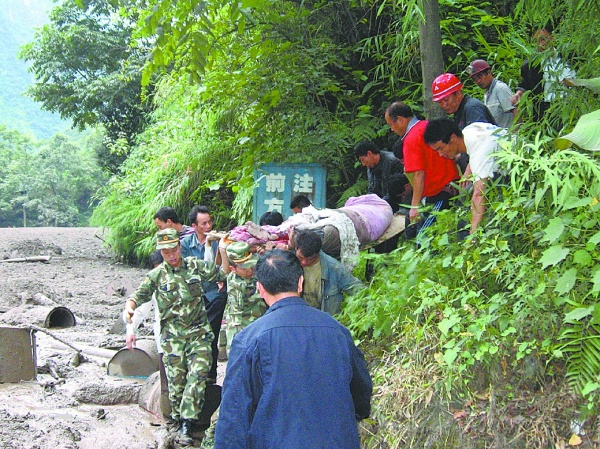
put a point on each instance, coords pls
(46, 184)
(510, 312)
(493, 342)
(86, 71)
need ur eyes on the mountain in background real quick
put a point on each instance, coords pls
(18, 20)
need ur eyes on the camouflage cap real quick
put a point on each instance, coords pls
(239, 254)
(167, 238)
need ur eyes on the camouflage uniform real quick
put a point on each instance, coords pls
(244, 305)
(186, 335)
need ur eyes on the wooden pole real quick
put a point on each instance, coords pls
(44, 259)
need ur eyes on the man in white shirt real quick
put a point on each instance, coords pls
(480, 141)
(543, 74)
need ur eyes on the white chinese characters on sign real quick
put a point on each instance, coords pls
(278, 183)
(303, 183)
(275, 182)
(274, 205)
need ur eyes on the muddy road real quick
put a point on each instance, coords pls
(72, 403)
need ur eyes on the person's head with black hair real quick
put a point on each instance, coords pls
(166, 217)
(308, 245)
(278, 272)
(299, 202)
(167, 213)
(156, 258)
(368, 153)
(200, 219)
(445, 137)
(441, 129)
(398, 115)
(272, 218)
(365, 146)
(263, 218)
(398, 109)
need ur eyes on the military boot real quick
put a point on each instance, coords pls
(185, 433)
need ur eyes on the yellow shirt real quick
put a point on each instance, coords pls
(311, 289)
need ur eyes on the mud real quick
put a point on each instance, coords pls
(73, 403)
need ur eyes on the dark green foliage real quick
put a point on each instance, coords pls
(523, 290)
(46, 184)
(87, 71)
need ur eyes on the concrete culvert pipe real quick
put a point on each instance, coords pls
(141, 362)
(59, 317)
(41, 316)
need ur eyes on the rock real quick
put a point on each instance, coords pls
(103, 394)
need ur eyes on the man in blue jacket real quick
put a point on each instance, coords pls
(294, 379)
(325, 279)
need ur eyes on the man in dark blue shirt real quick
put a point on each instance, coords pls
(448, 93)
(385, 172)
(294, 379)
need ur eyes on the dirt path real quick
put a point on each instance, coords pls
(82, 277)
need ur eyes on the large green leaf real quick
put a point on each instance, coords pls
(567, 281)
(596, 281)
(592, 84)
(553, 255)
(554, 230)
(578, 313)
(586, 134)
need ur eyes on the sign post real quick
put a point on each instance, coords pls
(277, 184)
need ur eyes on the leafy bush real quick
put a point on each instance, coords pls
(515, 303)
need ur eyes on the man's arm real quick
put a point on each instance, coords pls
(477, 203)
(237, 406)
(527, 83)
(212, 245)
(371, 178)
(504, 97)
(185, 246)
(140, 314)
(361, 386)
(223, 254)
(515, 112)
(418, 188)
(209, 272)
(347, 282)
(141, 295)
(466, 177)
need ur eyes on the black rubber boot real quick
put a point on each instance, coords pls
(185, 433)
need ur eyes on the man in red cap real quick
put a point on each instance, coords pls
(447, 92)
(497, 95)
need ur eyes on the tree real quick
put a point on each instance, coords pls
(432, 61)
(50, 185)
(86, 69)
(15, 150)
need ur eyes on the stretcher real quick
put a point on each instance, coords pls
(395, 228)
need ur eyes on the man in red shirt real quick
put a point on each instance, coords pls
(429, 173)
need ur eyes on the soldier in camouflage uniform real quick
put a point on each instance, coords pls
(244, 304)
(186, 335)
